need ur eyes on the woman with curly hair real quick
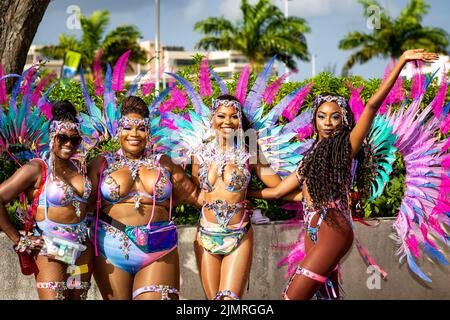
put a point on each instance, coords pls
(324, 178)
(60, 189)
(135, 235)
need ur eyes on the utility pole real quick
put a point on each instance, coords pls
(157, 49)
(286, 15)
(313, 65)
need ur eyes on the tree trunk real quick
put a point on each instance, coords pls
(19, 20)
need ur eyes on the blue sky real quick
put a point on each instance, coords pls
(329, 20)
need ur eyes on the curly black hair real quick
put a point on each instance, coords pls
(64, 111)
(327, 166)
(133, 104)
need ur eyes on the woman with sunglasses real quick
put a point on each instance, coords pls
(134, 234)
(60, 189)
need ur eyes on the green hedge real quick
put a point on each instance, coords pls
(386, 205)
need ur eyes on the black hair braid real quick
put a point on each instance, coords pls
(327, 168)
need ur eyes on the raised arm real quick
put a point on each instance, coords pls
(364, 123)
(27, 177)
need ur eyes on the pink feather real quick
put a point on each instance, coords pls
(179, 98)
(446, 161)
(204, 79)
(147, 88)
(272, 89)
(98, 74)
(439, 99)
(118, 80)
(46, 109)
(446, 145)
(397, 93)
(26, 83)
(242, 83)
(305, 132)
(445, 124)
(187, 117)
(355, 102)
(413, 245)
(424, 231)
(166, 106)
(434, 223)
(417, 86)
(37, 92)
(294, 106)
(168, 123)
(3, 95)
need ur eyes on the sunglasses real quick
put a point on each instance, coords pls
(63, 138)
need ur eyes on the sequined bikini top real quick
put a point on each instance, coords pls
(58, 193)
(110, 189)
(240, 175)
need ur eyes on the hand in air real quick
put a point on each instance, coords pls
(419, 54)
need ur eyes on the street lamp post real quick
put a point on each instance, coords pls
(157, 49)
(286, 15)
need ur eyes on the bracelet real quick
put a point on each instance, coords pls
(23, 245)
(26, 244)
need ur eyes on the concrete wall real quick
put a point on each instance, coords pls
(266, 280)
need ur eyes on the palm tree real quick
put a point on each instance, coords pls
(262, 33)
(114, 43)
(19, 21)
(394, 36)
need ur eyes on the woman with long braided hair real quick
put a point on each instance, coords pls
(324, 178)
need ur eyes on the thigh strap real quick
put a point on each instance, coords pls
(226, 293)
(164, 290)
(60, 286)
